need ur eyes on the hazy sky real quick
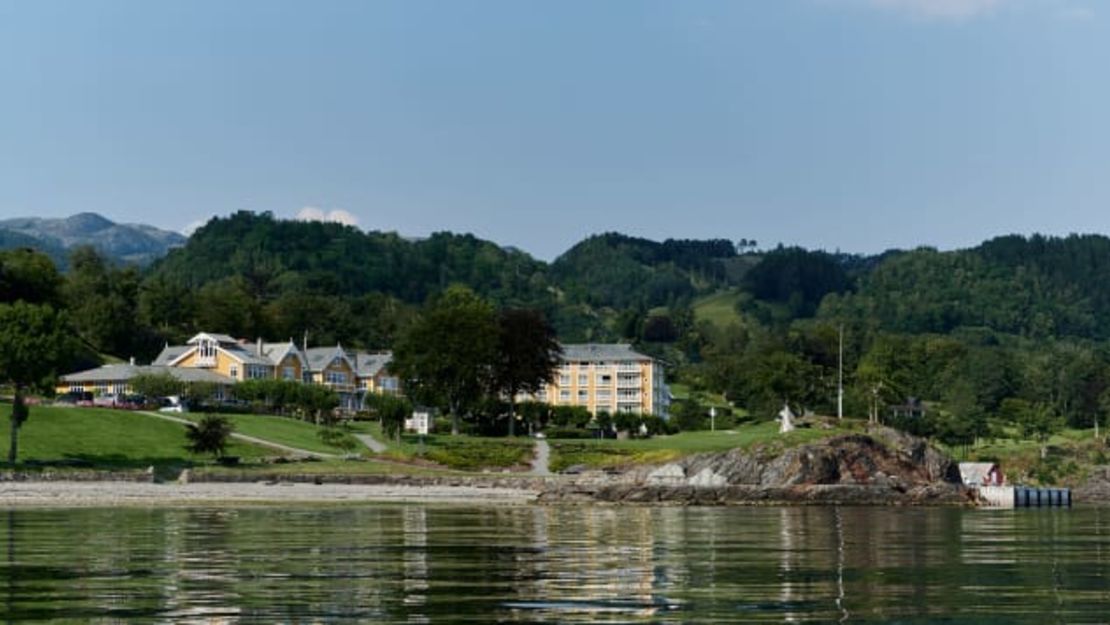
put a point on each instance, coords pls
(850, 124)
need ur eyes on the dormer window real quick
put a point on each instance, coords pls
(206, 352)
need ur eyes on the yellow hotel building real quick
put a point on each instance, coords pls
(608, 378)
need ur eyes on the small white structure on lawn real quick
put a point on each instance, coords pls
(786, 420)
(419, 422)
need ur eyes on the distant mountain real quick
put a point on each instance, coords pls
(128, 243)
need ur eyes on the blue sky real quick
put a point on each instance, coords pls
(857, 125)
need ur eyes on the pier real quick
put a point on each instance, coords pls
(1024, 497)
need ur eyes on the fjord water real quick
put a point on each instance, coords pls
(421, 564)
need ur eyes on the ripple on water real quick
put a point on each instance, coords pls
(383, 564)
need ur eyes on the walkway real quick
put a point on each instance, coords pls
(374, 444)
(541, 463)
(245, 438)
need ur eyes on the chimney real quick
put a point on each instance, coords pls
(260, 347)
(132, 361)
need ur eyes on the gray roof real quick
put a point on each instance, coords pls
(171, 353)
(975, 473)
(248, 354)
(276, 352)
(244, 353)
(320, 357)
(601, 352)
(123, 373)
(369, 365)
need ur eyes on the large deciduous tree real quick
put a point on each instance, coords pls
(29, 276)
(527, 355)
(34, 343)
(447, 355)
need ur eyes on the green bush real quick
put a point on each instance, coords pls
(563, 433)
(338, 437)
(477, 454)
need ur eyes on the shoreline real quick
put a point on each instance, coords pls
(91, 494)
(107, 493)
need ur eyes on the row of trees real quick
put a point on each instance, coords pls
(35, 333)
(283, 397)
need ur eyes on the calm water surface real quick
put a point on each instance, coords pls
(424, 564)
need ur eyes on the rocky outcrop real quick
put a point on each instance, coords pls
(1096, 488)
(818, 494)
(881, 467)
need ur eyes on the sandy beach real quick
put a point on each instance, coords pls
(107, 494)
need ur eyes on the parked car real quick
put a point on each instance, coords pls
(172, 404)
(74, 398)
(106, 401)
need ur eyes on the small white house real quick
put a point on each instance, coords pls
(981, 474)
(420, 422)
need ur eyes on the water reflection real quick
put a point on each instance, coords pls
(420, 564)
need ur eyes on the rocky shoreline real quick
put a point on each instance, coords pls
(880, 468)
(883, 468)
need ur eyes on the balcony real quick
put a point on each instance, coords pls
(629, 382)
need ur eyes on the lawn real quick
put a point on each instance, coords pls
(462, 453)
(1072, 453)
(324, 467)
(108, 438)
(602, 454)
(281, 430)
(718, 308)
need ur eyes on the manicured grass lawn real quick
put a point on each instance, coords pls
(462, 453)
(658, 449)
(282, 430)
(325, 467)
(108, 438)
(718, 308)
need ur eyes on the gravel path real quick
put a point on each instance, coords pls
(374, 444)
(541, 463)
(246, 438)
(65, 494)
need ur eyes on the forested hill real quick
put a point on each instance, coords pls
(276, 257)
(1036, 287)
(619, 271)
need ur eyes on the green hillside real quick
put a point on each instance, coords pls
(108, 438)
(718, 308)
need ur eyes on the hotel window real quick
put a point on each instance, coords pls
(390, 383)
(336, 377)
(233, 371)
(564, 379)
(583, 379)
(583, 397)
(564, 395)
(603, 379)
(289, 373)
